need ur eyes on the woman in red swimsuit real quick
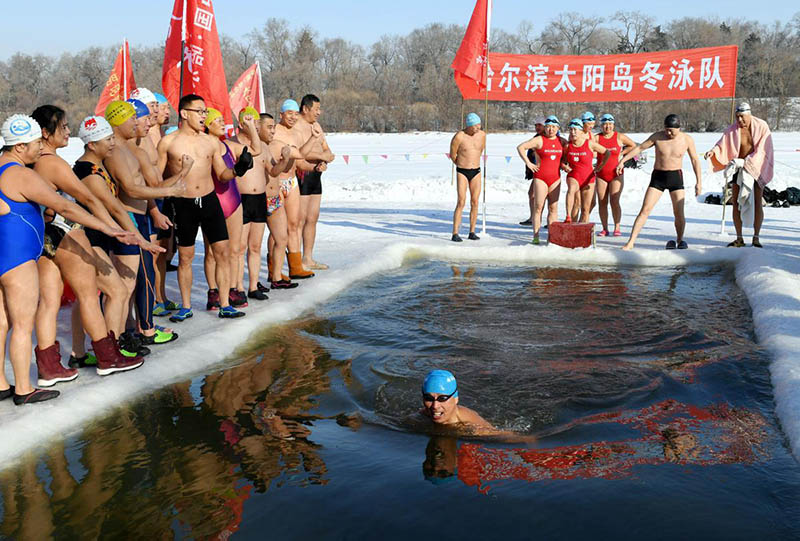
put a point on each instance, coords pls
(609, 184)
(577, 162)
(548, 151)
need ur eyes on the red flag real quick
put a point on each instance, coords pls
(471, 59)
(203, 72)
(247, 91)
(120, 83)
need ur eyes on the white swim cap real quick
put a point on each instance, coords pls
(20, 129)
(538, 120)
(143, 95)
(743, 108)
(93, 129)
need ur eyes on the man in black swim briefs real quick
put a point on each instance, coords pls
(671, 145)
(465, 151)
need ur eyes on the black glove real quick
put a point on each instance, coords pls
(244, 164)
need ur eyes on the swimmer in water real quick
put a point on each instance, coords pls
(440, 402)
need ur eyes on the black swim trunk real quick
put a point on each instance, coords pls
(99, 240)
(311, 183)
(469, 173)
(254, 208)
(203, 212)
(666, 180)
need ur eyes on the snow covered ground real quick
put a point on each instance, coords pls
(380, 210)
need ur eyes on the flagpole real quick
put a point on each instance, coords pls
(262, 104)
(183, 47)
(486, 109)
(124, 68)
(725, 182)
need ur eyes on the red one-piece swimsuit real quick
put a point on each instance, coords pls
(580, 160)
(549, 160)
(609, 170)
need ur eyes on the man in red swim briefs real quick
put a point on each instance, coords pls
(577, 162)
(547, 151)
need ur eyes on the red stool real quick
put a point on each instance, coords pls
(572, 235)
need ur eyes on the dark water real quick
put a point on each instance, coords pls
(651, 402)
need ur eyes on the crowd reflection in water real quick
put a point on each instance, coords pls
(153, 467)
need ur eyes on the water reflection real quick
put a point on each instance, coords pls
(160, 468)
(668, 432)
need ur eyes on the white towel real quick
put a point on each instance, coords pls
(747, 205)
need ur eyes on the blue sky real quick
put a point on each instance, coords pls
(74, 25)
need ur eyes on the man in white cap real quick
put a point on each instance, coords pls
(745, 153)
(466, 148)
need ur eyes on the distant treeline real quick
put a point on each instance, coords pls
(403, 83)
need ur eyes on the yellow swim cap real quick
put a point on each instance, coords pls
(249, 111)
(212, 115)
(118, 112)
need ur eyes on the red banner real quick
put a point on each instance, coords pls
(665, 75)
(203, 72)
(247, 91)
(120, 83)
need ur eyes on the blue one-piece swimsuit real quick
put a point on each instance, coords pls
(21, 230)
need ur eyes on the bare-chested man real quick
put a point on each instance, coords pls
(130, 166)
(671, 145)
(311, 181)
(465, 151)
(286, 135)
(276, 213)
(252, 188)
(747, 146)
(199, 206)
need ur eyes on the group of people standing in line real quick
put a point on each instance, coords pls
(594, 163)
(141, 192)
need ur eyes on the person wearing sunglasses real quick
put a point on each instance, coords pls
(440, 402)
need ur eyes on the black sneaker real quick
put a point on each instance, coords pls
(682, 245)
(456, 238)
(261, 287)
(671, 245)
(87, 361)
(526, 222)
(473, 236)
(38, 395)
(130, 343)
(257, 294)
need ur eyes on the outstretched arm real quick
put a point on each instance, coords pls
(635, 151)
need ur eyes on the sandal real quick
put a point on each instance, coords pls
(738, 243)
(756, 243)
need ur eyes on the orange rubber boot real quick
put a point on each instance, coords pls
(296, 270)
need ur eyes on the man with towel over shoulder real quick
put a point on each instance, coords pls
(746, 155)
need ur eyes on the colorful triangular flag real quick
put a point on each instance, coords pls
(508, 159)
(366, 158)
(408, 157)
(346, 159)
(385, 156)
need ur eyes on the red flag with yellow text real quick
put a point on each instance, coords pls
(120, 82)
(247, 91)
(203, 71)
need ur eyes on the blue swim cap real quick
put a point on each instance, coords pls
(440, 382)
(141, 108)
(552, 119)
(290, 105)
(170, 130)
(588, 116)
(160, 98)
(608, 117)
(576, 123)
(472, 120)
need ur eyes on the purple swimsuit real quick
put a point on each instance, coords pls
(227, 192)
